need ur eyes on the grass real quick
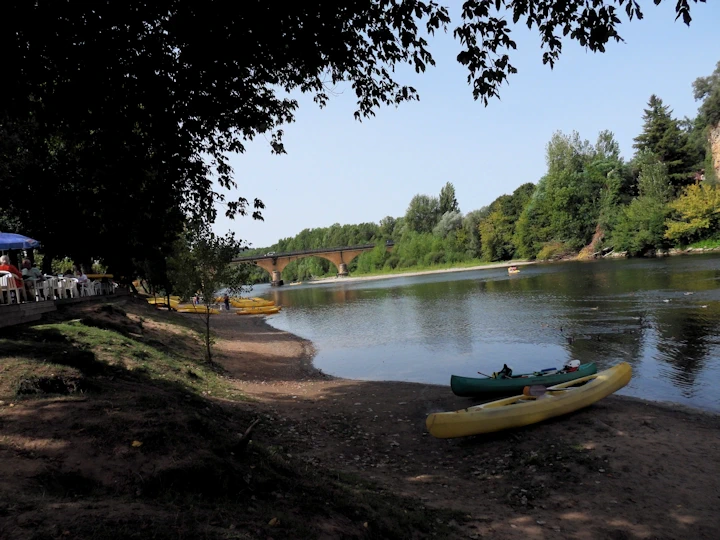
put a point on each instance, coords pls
(61, 343)
(710, 243)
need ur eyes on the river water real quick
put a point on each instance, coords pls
(660, 315)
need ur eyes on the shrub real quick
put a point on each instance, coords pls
(554, 250)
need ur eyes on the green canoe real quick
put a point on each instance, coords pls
(489, 387)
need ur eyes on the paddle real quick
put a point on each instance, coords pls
(481, 373)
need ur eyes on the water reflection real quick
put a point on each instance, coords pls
(646, 312)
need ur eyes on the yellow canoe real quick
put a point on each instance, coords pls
(197, 309)
(250, 302)
(265, 310)
(158, 301)
(523, 410)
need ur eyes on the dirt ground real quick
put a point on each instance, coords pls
(147, 457)
(623, 468)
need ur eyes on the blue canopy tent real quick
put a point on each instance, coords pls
(16, 241)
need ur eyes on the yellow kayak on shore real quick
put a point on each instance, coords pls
(158, 301)
(523, 410)
(250, 302)
(264, 310)
(197, 309)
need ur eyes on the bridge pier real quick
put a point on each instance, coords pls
(342, 270)
(277, 279)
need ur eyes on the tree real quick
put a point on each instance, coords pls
(201, 265)
(387, 226)
(127, 112)
(448, 202)
(471, 223)
(707, 89)
(697, 214)
(422, 214)
(450, 221)
(663, 137)
(641, 226)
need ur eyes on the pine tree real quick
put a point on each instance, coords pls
(663, 137)
(448, 202)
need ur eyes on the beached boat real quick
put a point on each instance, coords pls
(250, 302)
(197, 309)
(523, 410)
(162, 301)
(263, 310)
(492, 387)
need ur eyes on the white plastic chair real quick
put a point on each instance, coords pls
(4, 279)
(7, 285)
(96, 287)
(54, 287)
(42, 286)
(69, 287)
(86, 288)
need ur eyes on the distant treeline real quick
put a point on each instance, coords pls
(590, 200)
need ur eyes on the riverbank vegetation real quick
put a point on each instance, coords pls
(590, 202)
(127, 166)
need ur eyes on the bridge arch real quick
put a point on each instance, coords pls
(275, 263)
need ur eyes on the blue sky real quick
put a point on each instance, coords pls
(339, 170)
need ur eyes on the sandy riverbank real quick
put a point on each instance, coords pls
(350, 279)
(623, 468)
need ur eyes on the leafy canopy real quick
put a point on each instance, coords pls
(128, 111)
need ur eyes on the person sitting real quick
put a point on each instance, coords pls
(31, 272)
(80, 275)
(17, 275)
(7, 267)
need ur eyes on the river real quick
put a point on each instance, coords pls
(660, 315)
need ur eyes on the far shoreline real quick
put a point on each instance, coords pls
(489, 266)
(674, 252)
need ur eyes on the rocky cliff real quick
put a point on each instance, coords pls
(715, 148)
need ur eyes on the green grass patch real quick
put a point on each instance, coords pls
(710, 243)
(45, 355)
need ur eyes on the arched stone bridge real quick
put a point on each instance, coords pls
(275, 263)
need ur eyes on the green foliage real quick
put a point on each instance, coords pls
(422, 214)
(641, 226)
(496, 232)
(663, 137)
(128, 115)
(582, 188)
(450, 221)
(471, 231)
(554, 250)
(448, 201)
(200, 264)
(707, 89)
(697, 214)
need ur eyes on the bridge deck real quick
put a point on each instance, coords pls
(306, 252)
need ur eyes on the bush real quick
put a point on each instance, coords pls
(392, 262)
(435, 257)
(554, 250)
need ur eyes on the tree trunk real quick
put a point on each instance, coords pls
(207, 334)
